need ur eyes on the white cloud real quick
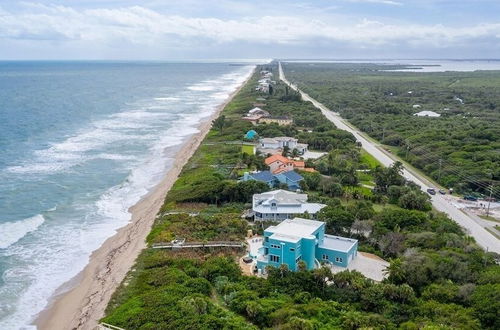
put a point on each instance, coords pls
(141, 26)
(383, 2)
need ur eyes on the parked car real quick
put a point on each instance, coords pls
(442, 191)
(431, 191)
(470, 198)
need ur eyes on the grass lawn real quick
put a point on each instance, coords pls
(368, 159)
(489, 218)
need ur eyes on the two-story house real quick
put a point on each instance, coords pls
(291, 178)
(278, 164)
(292, 241)
(279, 205)
(277, 144)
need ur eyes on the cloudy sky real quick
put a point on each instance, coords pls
(227, 29)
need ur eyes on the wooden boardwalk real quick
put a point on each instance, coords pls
(105, 326)
(196, 245)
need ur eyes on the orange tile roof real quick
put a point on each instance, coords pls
(274, 158)
(299, 163)
(282, 169)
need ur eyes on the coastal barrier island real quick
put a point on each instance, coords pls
(436, 277)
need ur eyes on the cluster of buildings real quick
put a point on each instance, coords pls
(265, 82)
(295, 239)
(259, 116)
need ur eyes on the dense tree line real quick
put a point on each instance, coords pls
(438, 277)
(457, 149)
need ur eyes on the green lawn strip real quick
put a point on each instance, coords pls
(489, 218)
(492, 232)
(369, 160)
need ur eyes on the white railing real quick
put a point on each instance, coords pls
(106, 326)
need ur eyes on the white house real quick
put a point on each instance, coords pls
(257, 112)
(280, 142)
(426, 113)
(279, 205)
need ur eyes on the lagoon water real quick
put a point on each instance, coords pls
(81, 142)
(418, 65)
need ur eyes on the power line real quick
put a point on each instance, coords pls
(449, 167)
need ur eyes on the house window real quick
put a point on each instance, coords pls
(274, 246)
(266, 239)
(338, 259)
(325, 257)
(273, 204)
(298, 259)
(292, 249)
(274, 258)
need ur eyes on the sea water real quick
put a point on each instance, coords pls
(81, 142)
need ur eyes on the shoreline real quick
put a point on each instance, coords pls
(82, 300)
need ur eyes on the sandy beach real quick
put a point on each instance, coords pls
(82, 300)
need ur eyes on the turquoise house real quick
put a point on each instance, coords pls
(301, 239)
(251, 134)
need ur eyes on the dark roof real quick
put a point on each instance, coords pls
(265, 176)
(292, 176)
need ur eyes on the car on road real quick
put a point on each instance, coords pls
(431, 191)
(470, 198)
(442, 191)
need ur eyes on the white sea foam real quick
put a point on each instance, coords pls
(11, 232)
(59, 251)
(167, 99)
(201, 87)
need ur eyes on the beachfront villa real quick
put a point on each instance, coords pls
(258, 112)
(292, 241)
(278, 164)
(291, 178)
(279, 205)
(277, 144)
(255, 114)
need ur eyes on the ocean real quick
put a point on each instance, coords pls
(81, 142)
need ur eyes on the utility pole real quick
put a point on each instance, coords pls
(439, 174)
(489, 199)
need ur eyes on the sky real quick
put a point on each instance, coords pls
(256, 29)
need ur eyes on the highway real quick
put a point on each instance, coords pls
(484, 238)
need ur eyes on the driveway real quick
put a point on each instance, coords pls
(370, 265)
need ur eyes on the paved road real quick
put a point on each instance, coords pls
(481, 235)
